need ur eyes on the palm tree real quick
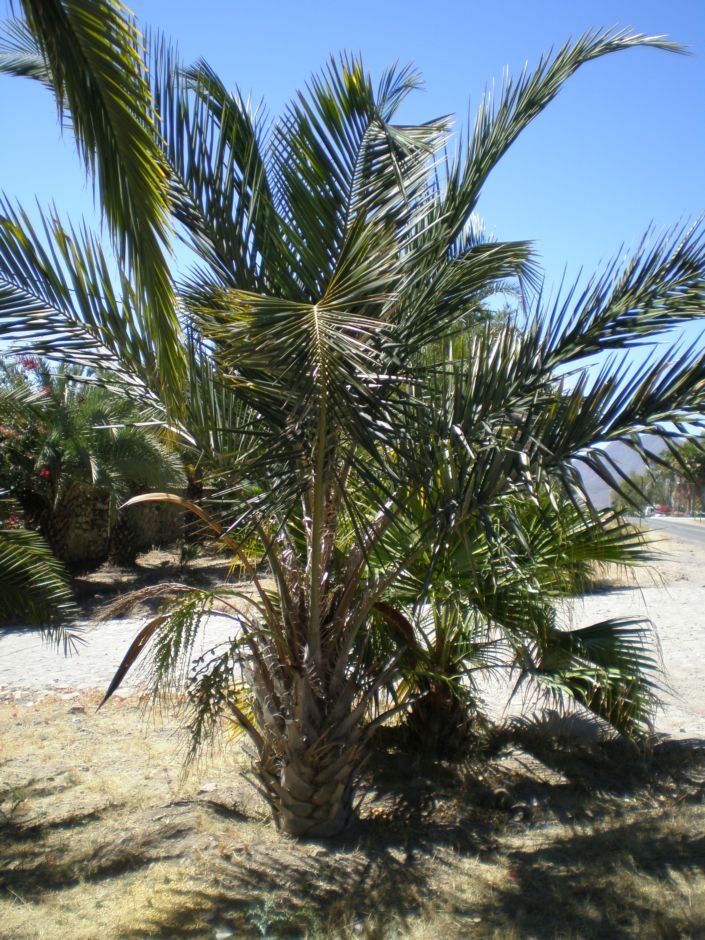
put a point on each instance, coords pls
(33, 583)
(333, 250)
(484, 602)
(73, 454)
(687, 463)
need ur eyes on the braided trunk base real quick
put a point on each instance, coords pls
(307, 762)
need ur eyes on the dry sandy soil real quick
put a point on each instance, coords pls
(102, 836)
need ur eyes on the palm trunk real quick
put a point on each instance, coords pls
(309, 747)
(314, 790)
(307, 771)
(439, 723)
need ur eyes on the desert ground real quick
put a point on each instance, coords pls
(102, 833)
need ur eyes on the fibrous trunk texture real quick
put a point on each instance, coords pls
(78, 531)
(309, 751)
(439, 724)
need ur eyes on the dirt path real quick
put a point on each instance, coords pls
(671, 593)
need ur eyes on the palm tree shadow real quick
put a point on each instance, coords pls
(376, 876)
(604, 883)
(38, 851)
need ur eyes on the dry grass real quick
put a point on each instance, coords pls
(529, 839)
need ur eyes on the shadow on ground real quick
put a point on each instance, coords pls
(531, 838)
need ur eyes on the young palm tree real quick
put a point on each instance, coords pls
(333, 250)
(485, 601)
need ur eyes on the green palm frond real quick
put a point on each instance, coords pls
(501, 118)
(93, 54)
(58, 298)
(214, 145)
(20, 55)
(659, 287)
(33, 584)
(610, 668)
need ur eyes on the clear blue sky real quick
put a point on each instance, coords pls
(622, 147)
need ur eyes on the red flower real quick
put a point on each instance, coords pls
(29, 362)
(45, 473)
(46, 390)
(13, 521)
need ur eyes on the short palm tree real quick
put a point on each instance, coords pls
(334, 249)
(486, 602)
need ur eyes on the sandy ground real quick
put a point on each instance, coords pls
(671, 594)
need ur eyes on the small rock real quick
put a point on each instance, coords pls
(208, 788)
(77, 710)
(222, 933)
(399, 855)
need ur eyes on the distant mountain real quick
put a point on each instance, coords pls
(627, 461)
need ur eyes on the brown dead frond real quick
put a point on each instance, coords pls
(125, 604)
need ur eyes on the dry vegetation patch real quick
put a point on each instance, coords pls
(528, 838)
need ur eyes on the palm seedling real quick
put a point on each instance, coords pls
(488, 602)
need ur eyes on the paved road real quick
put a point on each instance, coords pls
(685, 530)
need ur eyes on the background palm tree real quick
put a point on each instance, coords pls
(33, 584)
(333, 251)
(72, 454)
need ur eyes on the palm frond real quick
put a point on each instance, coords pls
(93, 53)
(33, 584)
(501, 118)
(58, 298)
(609, 668)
